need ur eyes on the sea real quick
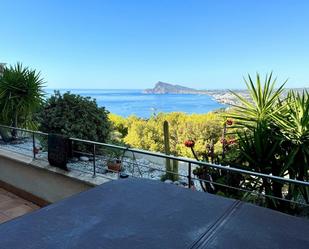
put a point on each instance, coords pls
(134, 102)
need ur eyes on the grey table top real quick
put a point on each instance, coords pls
(135, 213)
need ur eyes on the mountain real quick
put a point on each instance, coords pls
(223, 96)
(164, 88)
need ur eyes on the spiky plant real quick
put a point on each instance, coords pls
(258, 140)
(294, 119)
(255, 119)
(257, 110)
(21, 94)
(293, 123)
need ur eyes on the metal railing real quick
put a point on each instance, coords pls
(249, 183)
(192, 161)
(31, 135)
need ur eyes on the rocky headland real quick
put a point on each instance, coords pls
(221, 96)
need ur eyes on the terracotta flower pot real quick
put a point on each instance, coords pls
(114, 165)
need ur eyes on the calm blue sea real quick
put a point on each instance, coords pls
(128, 102)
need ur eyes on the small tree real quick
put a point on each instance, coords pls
(21, 94)
(75, 116)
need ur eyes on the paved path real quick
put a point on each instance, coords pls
(12, 206)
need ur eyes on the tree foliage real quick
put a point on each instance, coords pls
(119, 129)
(148, 133)
(75, 116)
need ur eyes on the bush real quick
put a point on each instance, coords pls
(119, 129)
(75, 116)
(148, 133)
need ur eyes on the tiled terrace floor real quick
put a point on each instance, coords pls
(12, 206)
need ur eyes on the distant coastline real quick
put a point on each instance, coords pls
(164, 98)
(126, 102)
(222, 96)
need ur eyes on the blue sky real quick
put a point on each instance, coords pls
(134, 44)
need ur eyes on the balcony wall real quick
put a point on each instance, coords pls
(40, 181)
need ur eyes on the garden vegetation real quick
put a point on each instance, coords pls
(268, 133)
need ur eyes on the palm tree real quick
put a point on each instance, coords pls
(21, 94)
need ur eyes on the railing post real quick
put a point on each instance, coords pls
(94, 165)
(189, 175)
(33, 145)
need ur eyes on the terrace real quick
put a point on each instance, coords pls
(12, 206)
(138, 213)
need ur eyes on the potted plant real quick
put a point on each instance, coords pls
(114, 163)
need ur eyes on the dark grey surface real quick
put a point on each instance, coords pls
(148, 214)
(261, 228)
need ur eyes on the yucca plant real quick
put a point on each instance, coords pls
(262, 104)
(254, 118)
(259, 144)
(21, 94)
(293, 122)
(260, 150)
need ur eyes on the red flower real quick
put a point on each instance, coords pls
(189, 143)
(229, 122)
(232, 141)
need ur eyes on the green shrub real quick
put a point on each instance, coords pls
(148, 133)
(119, 129)
(75, 116)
